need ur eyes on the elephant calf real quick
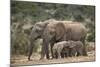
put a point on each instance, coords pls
(67, 48)
(76, 48)
(58, 47)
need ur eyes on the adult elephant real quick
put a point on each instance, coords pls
(60, 31)
(36, 33)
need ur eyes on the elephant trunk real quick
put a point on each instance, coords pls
(30, 50)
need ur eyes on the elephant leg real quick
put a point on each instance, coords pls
(59, 54)
(55, 54)
(52, 44)
(30, 51)
(62, 54)
(47, 51)
(84, 51)
(42, 51)
(74, 52)
(84, 47)
(46, 48)
(80, 52)
(67, 53)
(70, 52)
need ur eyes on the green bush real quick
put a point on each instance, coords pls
(91, 37)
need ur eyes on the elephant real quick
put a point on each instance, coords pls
(76, 48)
(67, 47)
(55, 31)
(62, 31)
(37, 33)
(58, 48)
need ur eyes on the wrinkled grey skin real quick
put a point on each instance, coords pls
(72, 48)
(60, 31)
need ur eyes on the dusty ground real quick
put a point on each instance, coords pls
(22, 60)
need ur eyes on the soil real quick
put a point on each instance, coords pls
(22, 60)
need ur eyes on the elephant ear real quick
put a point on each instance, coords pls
(60, 31)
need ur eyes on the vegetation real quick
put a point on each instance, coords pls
(25, 14)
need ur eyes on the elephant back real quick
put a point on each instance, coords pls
(78, 31)
(75, 31)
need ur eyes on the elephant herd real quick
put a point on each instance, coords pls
(59, 32)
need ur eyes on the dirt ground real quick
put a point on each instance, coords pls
(22, 60)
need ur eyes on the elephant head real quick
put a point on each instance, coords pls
(37, 30)
(36, 33)
(53, 31)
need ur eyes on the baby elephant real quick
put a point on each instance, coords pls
(76, 48)
(58, 47)
(72, 48)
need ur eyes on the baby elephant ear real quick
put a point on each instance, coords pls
(60, 30)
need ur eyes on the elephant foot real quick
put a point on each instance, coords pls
(85, 54)
(59, 57)
(29, 59)
(52, 58)
(42, 58)
(48, 58)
